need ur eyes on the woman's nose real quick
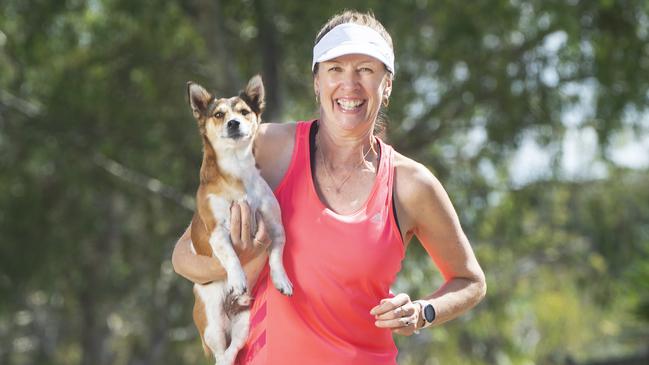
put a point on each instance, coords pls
(350, 78)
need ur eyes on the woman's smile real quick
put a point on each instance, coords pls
(350, 105)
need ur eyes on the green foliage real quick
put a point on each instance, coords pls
(99, 160)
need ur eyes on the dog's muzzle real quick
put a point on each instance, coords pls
(232, 126)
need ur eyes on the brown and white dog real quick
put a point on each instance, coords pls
(228, 174)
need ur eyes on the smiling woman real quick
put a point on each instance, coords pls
(350, 205)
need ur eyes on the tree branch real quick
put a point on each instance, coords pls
(151, 184)
(29, 108)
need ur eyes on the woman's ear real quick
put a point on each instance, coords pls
(316, 85)
(388, 87)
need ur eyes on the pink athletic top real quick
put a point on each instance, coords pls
(341, 266)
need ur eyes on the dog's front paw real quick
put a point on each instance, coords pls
(282, 283)
(236, 288)
(244, 300)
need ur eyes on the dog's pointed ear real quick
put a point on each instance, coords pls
(254, 94)
(199, 99)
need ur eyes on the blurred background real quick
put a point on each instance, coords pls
(533, 114)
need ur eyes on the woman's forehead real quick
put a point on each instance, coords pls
(353, 58)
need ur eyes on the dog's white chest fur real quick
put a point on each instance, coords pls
(257, 193)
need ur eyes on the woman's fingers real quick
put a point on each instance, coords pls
(397, 322)
(405, 331)
(246, 224)
(406, 310)
(262, 239)
(400, 312)
(390, 304)
(242, 222)
(235, 225)
(397, 313)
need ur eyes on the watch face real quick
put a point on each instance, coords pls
(429, 313)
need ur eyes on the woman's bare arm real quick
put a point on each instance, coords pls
(204, 269)
(427, 212)
(196, 268)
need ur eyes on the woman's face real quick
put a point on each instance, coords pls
(351, 89)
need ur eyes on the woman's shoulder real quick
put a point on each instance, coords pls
(417, 190)
(276, 130)
(273, 150)
(413, 175)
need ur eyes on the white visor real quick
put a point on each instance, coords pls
(350, 38)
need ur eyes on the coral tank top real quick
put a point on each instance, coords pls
(340, 266)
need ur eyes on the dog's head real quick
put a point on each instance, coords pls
(228, 122)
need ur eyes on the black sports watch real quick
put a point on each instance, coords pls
(427, 311)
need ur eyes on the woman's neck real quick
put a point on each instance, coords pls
(345, 149)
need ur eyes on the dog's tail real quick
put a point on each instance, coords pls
(200, 319)
(206, 350)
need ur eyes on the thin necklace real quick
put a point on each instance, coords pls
(330, 175)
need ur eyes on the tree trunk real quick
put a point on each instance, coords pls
(222, 72)
(269, 44)
(96, 277)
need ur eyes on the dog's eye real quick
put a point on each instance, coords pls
(219, 115)
(245, 112)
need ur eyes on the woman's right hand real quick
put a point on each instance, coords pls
(242, 223)
(203, 269)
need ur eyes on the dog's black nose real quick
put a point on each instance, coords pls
(233, 125)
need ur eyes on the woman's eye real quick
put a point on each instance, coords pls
(366, 69)
(244, 112)
(335, 68)
(218, 115)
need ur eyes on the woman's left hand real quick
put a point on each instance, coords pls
(398, 313)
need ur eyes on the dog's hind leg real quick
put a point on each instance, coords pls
(216, 340)
(239, 335)
(214, 334)
(200, 317)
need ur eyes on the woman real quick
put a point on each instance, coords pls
(350, 205)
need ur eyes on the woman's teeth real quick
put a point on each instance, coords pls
(348, 104)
